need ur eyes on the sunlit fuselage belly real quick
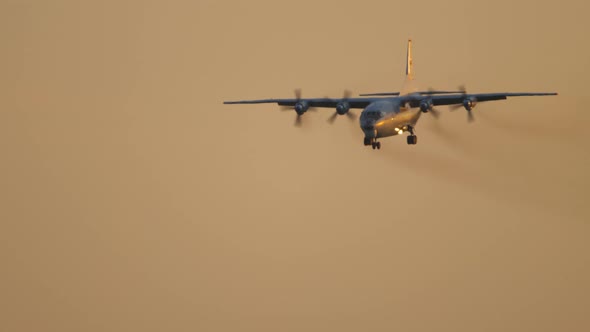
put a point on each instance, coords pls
(392, 118)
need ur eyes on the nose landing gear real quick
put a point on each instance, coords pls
(372, 142)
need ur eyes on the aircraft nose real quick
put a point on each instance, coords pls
(369, 129)
(367, 125)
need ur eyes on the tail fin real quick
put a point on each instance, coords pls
(409, 64)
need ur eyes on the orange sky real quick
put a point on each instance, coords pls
(132, 199)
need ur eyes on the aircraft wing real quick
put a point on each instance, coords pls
(454, 99)
(380, 94)
(311, 102)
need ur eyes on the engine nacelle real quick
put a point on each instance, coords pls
(425, 105)
(301, 107)
(342, 108)
(469, 104)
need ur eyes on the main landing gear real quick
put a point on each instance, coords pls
(373, 142)
(412, 139)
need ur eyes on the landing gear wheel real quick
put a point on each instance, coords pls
(412, 139)
(378, 144)
(374, 146)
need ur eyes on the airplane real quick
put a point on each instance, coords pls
(391, 113)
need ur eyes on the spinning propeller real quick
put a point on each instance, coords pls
(468, 103)
(427, 106)
(343, 107)
(300, 107)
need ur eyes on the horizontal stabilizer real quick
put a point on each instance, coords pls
(429, 92)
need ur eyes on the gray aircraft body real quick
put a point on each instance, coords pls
(391, 113)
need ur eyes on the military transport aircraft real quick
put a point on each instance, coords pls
(391, 113)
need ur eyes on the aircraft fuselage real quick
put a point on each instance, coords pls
(387, 118)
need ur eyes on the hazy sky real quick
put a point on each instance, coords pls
(131, 199)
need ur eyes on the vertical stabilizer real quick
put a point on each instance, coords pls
(409, 64)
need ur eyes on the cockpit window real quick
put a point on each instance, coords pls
(372, 115)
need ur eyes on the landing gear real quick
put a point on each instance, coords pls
(372, 142)
(412, 139)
